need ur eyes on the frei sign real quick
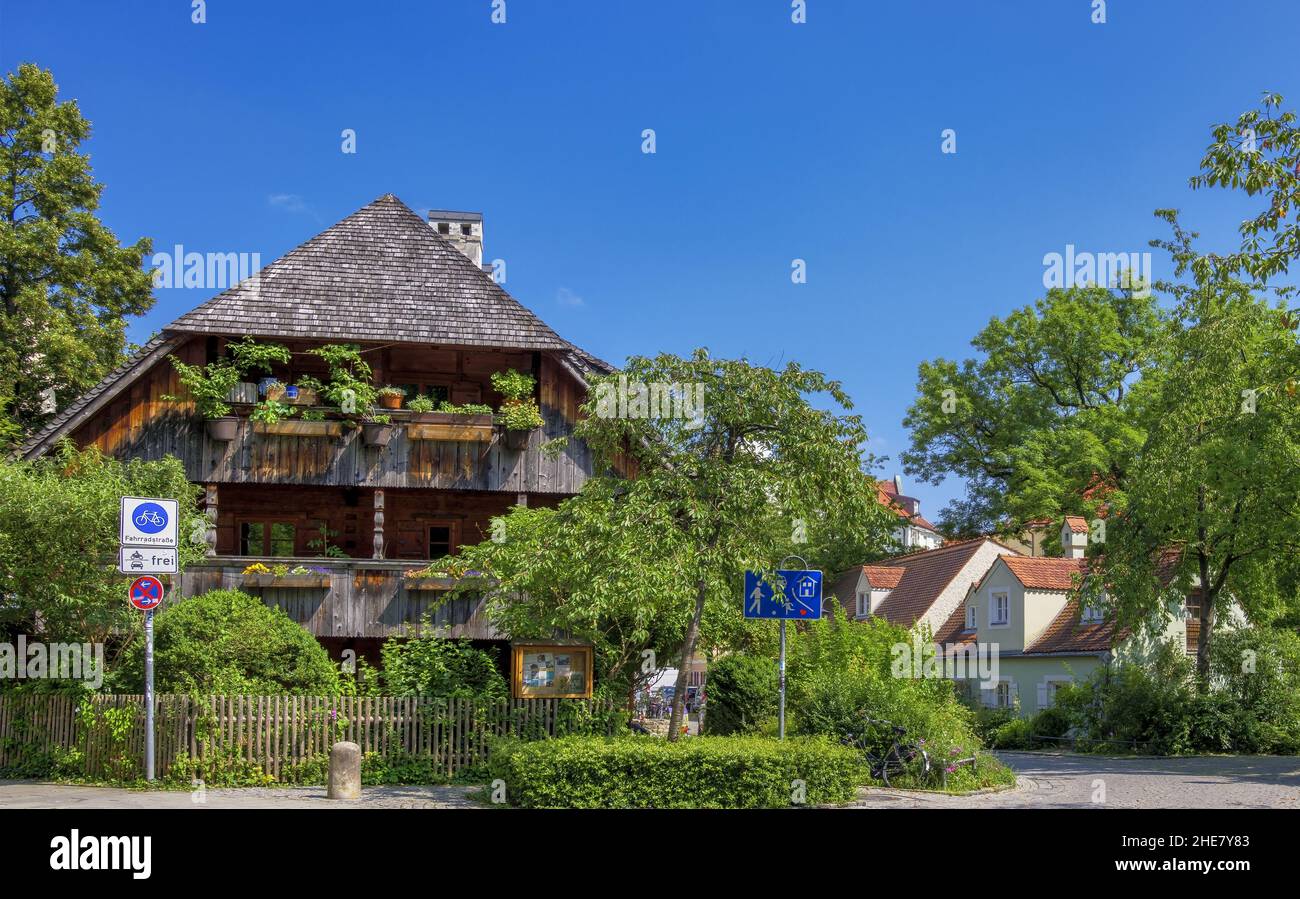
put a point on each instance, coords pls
(147, 530)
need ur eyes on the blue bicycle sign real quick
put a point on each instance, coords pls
(150, 518)
(148, 522)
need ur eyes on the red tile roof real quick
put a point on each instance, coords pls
(1042, 573)
(883, 577)
(953, 632)
(925, 575)
(1067, 633)
(1078, 524)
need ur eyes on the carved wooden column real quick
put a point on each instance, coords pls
(379, 524)
(210, 516)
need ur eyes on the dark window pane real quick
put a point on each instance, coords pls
(250, 538)
(439, 542)
(282, 543)
(439, 394)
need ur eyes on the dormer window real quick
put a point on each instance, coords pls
(970, 617)
(864, 605)
(1091, 615)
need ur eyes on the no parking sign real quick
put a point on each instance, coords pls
(146, 593)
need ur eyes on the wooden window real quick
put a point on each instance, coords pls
(267, 538)
(439, 393)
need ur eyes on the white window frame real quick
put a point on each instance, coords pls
(1049, 691)
(994, 596)
(864, 605)
(1092, 615)
(972, 611)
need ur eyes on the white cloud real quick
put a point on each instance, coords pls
(287, 202)
(566, 297)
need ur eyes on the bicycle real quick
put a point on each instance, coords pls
(148, 516)
(901, 758)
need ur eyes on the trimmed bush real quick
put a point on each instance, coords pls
(742, 695)
(700, 772)
(229, 642)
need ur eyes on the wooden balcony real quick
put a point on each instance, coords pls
(349, 597)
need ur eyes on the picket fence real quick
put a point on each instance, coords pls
(277, 732)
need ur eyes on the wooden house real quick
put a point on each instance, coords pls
(414, 295)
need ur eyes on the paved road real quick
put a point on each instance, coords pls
(1071, 781)
(30, 794)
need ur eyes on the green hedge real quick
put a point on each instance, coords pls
(698, 772)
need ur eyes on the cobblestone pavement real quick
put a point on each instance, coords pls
(31, 794)
(1050, 780)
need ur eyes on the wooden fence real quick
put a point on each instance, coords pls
(103, 736)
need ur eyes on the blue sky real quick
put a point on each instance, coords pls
(775, 141)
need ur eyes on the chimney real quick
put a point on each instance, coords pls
(1074, 537)
(463, 229)
(898, 484)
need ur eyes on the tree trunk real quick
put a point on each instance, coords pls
(1207, 622)
(683, 674)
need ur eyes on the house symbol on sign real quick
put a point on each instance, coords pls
(807, 588)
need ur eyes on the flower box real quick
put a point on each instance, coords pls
(450, 426)
(300, 428)
(312, 581)
(430, 583)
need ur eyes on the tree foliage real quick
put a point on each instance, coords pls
(59, 539)
(67, 286)
(1042, 414)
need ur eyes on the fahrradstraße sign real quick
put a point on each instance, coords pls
(148, 522)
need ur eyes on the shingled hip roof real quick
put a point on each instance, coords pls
(380, 274)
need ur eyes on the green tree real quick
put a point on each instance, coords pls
(1042, 415)
(229, 642)
(1214, 490)
(717, 489)
(434, 666)
(59, 539)
(66, 285)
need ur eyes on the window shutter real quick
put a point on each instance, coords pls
(989, 697)
(1042, 695)
(1014, 693)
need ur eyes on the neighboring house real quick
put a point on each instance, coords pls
(1029, 607)
(917, 588)
(914, 531)
(414, 295)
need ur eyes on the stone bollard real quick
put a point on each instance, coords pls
(345, 771)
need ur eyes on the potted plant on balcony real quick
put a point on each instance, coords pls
(377, 431)
(210, 386)
(349, 387)
(519, 412)
(390, 397)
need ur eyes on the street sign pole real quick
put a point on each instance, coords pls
(148, 697)
(782, 667)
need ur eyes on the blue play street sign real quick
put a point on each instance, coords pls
(791, 594)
